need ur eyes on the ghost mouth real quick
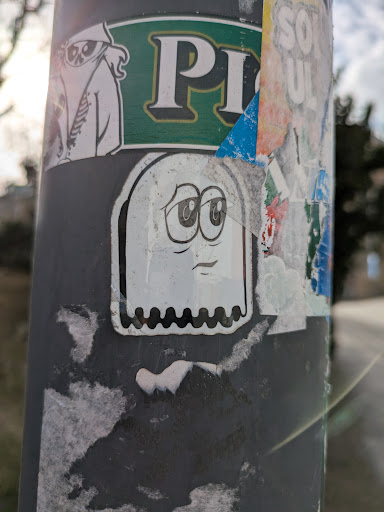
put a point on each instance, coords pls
(207, 265)
(155, 318)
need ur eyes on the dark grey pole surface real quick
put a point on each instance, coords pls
(104, 442)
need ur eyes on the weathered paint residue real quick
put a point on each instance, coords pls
(82, 324)
(211, 498)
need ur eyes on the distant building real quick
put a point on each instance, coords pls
(366, 278)
(18, 203)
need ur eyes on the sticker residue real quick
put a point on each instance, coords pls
(82, 324)
(211, 498)
(71, 425)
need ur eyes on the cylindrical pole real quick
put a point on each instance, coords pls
(180, 305)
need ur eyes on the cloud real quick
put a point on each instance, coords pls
(359, 50)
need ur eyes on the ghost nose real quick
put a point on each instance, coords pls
(79, 59)
(202, 249)
(199, 245)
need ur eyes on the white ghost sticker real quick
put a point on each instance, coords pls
(180, 263)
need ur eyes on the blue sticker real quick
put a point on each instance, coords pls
(241, 140)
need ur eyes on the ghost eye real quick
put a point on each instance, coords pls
(213, 212)
(217, 211)
(187, 211)
(89, 48)
(72, 53)
(182, 213)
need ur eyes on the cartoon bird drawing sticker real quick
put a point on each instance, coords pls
(84, 102)
(181, 264)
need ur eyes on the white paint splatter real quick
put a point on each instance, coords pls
(247, 471)
(171, 378)
(152, 494)
(242, 349)
(246, 6)
(82, 326)
(211, 498)
(174, 352)
(71, 425)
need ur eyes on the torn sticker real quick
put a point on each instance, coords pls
(71, 425)
(211, 498)
(295, 133)
(82, 324)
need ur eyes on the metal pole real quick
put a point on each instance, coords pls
(180, 306)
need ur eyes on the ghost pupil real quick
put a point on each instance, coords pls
(187, 211)
(217, 211)
(88, 48)
(72, 52)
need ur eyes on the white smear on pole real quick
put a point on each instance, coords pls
(82, 326)
(242, 349)
(171, 378)
(211, 498)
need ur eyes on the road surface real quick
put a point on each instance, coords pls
(355, 469)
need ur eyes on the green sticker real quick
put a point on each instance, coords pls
(188, 80)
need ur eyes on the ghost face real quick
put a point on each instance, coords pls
(183, 264)
(77, 54)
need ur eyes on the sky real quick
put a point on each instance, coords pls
(25, 90)
(359, 53)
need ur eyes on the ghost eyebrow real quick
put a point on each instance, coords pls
(172, 198)
(175, 193)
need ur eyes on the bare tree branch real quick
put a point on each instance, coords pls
(6, 111)
(25, 10)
